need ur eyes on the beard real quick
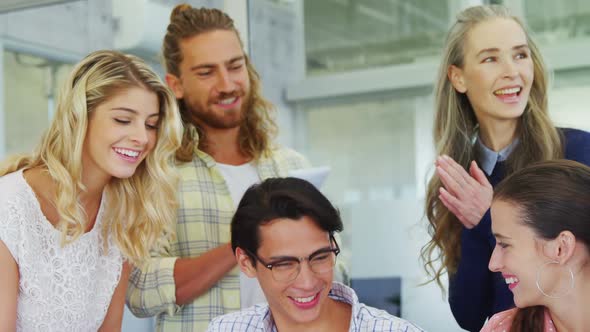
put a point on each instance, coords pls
(227, 119)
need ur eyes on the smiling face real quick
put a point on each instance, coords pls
(518, 255)
(121, 132)
(214, 82)
(497, 72)
(304, 300)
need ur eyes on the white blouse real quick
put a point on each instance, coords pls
(60, 288)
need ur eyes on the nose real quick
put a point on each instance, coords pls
(510, 68)
(306, 278)
(495, 264)
(225, 83)
(140, 135)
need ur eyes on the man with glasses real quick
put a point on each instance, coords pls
(283, 234)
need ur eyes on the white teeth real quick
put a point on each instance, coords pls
(304, 299)
(227, 101)
(507, 91)
(511, 280)
(128, 153)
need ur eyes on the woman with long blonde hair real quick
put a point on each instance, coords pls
(491, 120)
(97, 194)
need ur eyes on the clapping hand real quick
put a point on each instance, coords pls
(467, 195)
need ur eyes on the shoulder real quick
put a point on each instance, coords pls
(289, 156)
(577, 145)
(366, 318)
(12, 186)
(500, 321)
(373, 319)
(245, 320)
(575, 135)
(194, 170)
(279, 161)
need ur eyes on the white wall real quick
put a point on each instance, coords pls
(2, 124)
(568, 106)
(64, 31)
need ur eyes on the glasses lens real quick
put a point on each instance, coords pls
(289, 270)
(285, 271)
(323, 262)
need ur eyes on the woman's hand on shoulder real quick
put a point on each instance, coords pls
(467, 195)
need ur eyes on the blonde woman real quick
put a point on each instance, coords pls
(491, 120)
(97, 194)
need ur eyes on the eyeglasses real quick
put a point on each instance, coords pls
(288, 268)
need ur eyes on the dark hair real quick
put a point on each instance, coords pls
(276, 198)
(552, 196)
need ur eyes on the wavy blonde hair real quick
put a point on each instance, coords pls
(139, 210)
(455, 125)
(258, 128)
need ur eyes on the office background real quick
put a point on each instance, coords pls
(352, 81)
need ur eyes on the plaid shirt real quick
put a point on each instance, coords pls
(364, 318)
(204, 218)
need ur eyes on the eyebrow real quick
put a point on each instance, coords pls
(130, 110)
(211, 65)
(495, 49)
(500, 236)
(279, 258)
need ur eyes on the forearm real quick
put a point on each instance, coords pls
(114, 317)
(196, 275)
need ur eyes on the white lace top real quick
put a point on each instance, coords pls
(60, 289)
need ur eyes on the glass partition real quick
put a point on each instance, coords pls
(558, 20)
(351, 35)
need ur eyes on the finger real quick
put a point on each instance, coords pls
(461, 209)
(479, 175)
(448, 181)
(445, 164)
(448, 204)
(460, 189)
(457, 171)
(437, 161)
(451, 203)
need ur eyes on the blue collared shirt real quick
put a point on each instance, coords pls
(488, 157)
(364, 318)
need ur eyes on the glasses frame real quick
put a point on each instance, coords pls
(300, 260)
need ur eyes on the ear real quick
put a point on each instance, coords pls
(245, 263)
(175, 85)
(562, 248)
(455, 75)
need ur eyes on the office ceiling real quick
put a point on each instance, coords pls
(349, 34)
(11, 5)
(343, 35)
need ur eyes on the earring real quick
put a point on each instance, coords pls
(572, 281)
